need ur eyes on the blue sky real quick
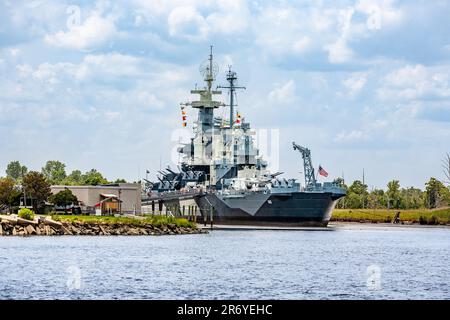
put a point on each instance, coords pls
(364, 84)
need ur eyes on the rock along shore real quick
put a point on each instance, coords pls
(14, 226)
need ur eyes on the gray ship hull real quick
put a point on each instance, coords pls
(281, 209)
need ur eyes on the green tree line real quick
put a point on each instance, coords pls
(55, 173)
(20, 183)
(435, 195)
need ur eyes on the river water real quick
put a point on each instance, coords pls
(351, 262)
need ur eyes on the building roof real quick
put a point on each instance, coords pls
(108, 195)
(125, 186)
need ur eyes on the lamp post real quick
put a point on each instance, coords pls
(65, 203)
(120, 202)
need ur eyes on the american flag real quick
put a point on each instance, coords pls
(322, 171)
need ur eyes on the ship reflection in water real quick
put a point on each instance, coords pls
(362, 262)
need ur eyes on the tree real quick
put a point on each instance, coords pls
(64, 198)
(393, 194)
(357, 195)
(376, 200)
(94, 178)
(353, 201)
(74, 178)
(120, 181)
(411, 198)
(9, 192)
(358, 187)
(37, 187)
(342, 202)
(15, 170)
(54, 171)
(435, 193)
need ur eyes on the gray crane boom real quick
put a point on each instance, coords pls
(310, 178)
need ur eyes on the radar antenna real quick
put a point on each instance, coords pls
(231, 78)
(209, 69)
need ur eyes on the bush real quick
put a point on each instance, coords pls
(422, 220)
(433, 220)
(25, 213)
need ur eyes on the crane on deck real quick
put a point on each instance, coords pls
(310, 178)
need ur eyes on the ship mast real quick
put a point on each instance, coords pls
(231, 78)
(202, 143)
(209, 77)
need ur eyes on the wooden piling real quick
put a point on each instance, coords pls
(211, 216)
(204, 215)
(160, 207)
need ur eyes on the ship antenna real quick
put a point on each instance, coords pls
(209, 75)
(231, 78)
(209, 69)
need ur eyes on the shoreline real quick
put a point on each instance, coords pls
(46, 226)
(355, 224)
(11, 225)
(332, 226)
(439, 216)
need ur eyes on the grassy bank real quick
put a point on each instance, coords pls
(420, 216)
(156, 221)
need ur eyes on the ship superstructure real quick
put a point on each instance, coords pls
(222, 148)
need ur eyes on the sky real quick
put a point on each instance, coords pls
(364, 84)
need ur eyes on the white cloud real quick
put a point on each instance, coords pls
(301, 45)
(94, 32)
(352, 136)
(14, 52)
(73, 96)
(108, 65)
(194, 20)
(111, 115)
(281, 30)
(186, 22)
(355, 83)
(380, 13)
(48, 73)
(407, 76)
(416, 82)
(283, 93)
(229, 17)
(339, 52)
(24, 70)
(111, 66)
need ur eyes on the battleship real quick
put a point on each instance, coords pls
(222, 170)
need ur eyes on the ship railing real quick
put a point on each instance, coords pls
(173, 194)
(325, 187)
(233, 192)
